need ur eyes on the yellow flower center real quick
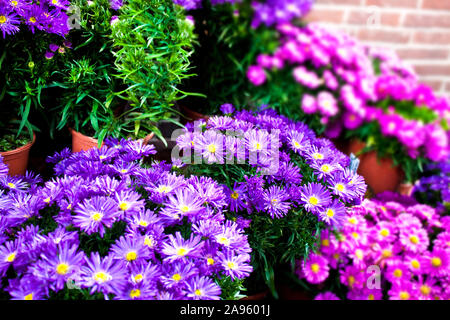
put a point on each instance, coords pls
(325, 168)
(318, 156)
(330, 213)
(163, 189)
(32, 20)
(62, 268)
(313, 200)
(336, 256)
(352, 220)
(101, 277)
(235, 195)
(176, 277)
(210, 261)
(97, 216)
(371, 297)
(131, 256)
(425, 290)
(198, 292)
(258, 146)
(102, 157)
(14, 3)
(181, 252)
(11, 257)
(340, 187)
(124, 206)
(212, 148)
(359, 254)
(404, 295)
(296, 145)
(143, 223)
(386, 253)
(414, 239)
(223, 240)
(398, 273)
(355, 235)
(415, 264)
(138, 278)
(351, 280)
(384, 232)
(325, 242)
(231, 265)
(11, 185)
(55, 1)
(135, 293)
(184, 208)
(436, 262)
(28, 297)
(124, 170)
(315, 267)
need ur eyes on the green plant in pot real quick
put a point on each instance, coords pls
(28, 56)
(152, 46)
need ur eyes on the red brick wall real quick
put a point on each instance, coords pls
(419, 30)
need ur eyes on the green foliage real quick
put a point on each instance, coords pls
(10, 142)
(231, 289)
(152, 43)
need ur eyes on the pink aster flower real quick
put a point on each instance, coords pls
(315, 269)
(256, 75)
(326, 296)
(436, 263)
(178, 248)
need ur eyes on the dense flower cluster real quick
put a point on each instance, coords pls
(348, 84)
(434, 187)
(267, 12)
(110, 226)
(274, 148)
(47, 15)
(388, 247)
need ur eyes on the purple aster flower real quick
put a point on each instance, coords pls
(334, 214)
(105, 275)
(235, 266)
(315, 197)
(129, 250)
(227, 108)
(9, 21)
(175, 275)
(275, 202)
(128, 202)
(57, 266)
(28, 288)
(210, 145)
(182, 203)
(202, 288)
(94, 214)
(178, 248)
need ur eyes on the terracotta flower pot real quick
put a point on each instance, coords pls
(380, 174)
(17, 160)
(191, 115)
(80, 142)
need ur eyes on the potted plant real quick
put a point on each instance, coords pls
(390, 247)
(230, 35)
(282, 183)
(349, 91)
(27, 45)
(102, 229)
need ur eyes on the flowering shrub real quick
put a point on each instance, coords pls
(389, 247)
(434, 188)
(49, 16)
(339, 83)
(108, 226)
(282, 182)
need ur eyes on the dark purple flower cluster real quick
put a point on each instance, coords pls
(384, 249)
(346, 91)
(176, 242)
(267, 12)
(292, 168)
(434, 188)
(47, 15)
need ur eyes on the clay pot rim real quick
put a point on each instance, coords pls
(146, 139)
(20, 149)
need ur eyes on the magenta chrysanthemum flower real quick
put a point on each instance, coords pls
(326, 296)
(414, 240)
(178, 248)
(436, 263)
(256, 75)
(397, 272)
(403, 290)
(315, 268)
